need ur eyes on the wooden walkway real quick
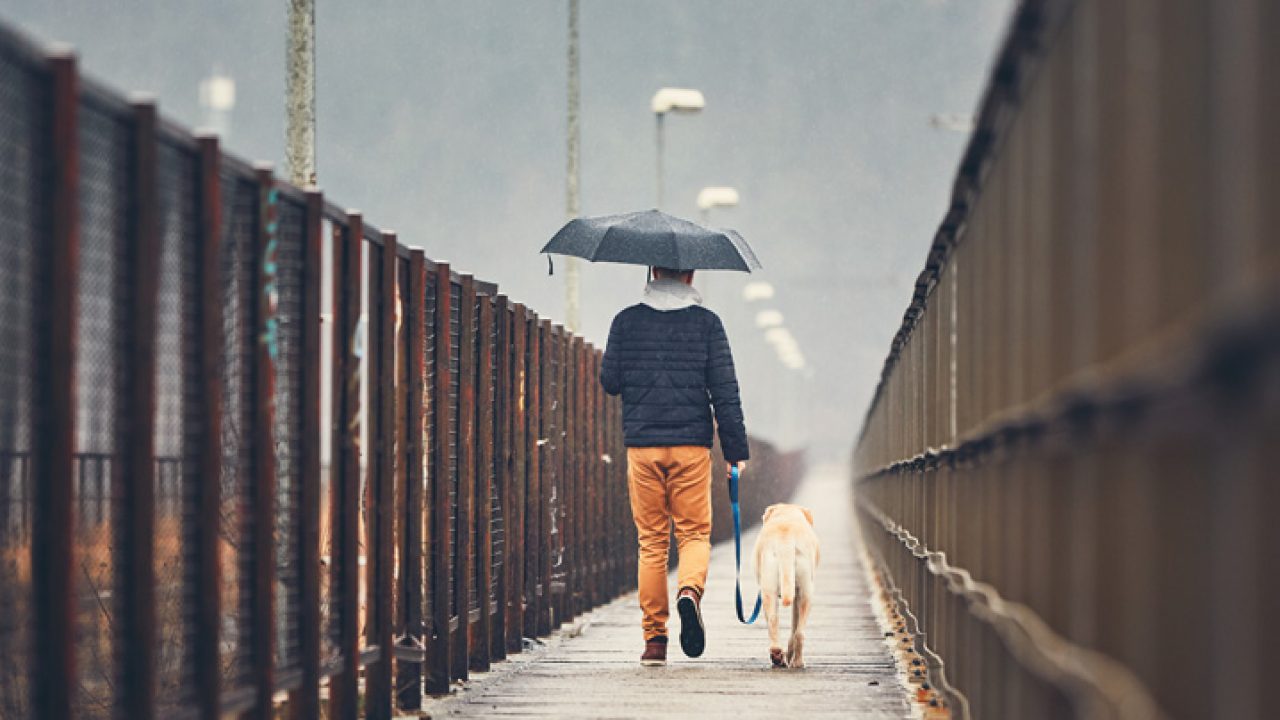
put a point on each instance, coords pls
(591, 669)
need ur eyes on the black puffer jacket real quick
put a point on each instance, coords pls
(671, 368)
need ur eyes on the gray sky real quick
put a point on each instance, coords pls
(446, 122)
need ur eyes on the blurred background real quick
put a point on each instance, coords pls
(838, 123)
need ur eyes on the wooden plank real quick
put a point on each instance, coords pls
(208, 573)
(53, 670)
(304, 702)
(344, 466)
(409, 674)
(439, 656)
(262, 619)
(517, 507)
(533, 490)
(479, 654)
(134, 476)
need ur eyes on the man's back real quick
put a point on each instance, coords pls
(672, 367)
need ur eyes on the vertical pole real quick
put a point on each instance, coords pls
(263, 443)
(568, 490)
(208, 587)
(500, 421)
(300, 95)
(409, 674)
(438, 672)
(135, 474)
(573, 174)
(345, 494)
(380, 485)
(464, 559)
(305, 701)
(517, 505)
(658, 119)
(53, 671)
(533, 591)
(484, 479)
(551, 405)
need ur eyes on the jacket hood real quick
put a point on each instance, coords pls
(667, 294)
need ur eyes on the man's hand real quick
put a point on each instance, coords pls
(742, 466)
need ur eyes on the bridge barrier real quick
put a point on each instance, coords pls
(1067, 473)
(255, 451)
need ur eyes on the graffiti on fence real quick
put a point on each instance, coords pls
(271, 276)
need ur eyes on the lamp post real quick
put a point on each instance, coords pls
(572, 174)
(710, 197)
(713, 197)
(300, 97)
(668, 100)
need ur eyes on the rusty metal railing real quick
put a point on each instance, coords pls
(1061, 478)
(252, 446)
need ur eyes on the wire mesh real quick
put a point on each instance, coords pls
(287, 425)
(24, 155)
(333, 608)
(496, 520)
(101, 297)
(553, 361)
(238, 271)
(429, 441)
(477, 486)
(176, 432)
(455, 347)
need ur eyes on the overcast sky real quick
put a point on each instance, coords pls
(446, 122)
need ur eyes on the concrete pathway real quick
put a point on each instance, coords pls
(592, 669)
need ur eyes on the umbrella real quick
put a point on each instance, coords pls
(655, 239)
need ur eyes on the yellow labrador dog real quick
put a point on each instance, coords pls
(787, 555)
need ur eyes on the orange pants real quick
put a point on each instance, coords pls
(669, 484)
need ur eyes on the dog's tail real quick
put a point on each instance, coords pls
(787, 569)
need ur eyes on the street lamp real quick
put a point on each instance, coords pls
(759, 290)
(713, 197)
(677, 100)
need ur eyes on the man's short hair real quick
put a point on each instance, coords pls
(661, 273)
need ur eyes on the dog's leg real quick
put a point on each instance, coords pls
(770, 602)
(800, 613)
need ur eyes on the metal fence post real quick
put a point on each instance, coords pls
(533, 489)
(500, 421)
(53, 666)
(208, 580)
(305, 701)
(464, 557)
(345, 465)
(262, 621)
(517, 590)
(439, 656)
(135, 477)
(413, 514)
(482, 404)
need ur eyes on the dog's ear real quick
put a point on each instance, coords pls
(807, 515)
(767, 512)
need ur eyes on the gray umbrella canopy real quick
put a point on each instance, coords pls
(653, 238)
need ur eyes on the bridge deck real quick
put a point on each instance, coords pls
(592, 669)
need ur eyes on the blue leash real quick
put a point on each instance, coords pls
(737, 550)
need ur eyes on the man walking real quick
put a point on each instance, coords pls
(669, 358)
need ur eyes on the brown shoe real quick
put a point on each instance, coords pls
(693, 635)
(655, 651)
